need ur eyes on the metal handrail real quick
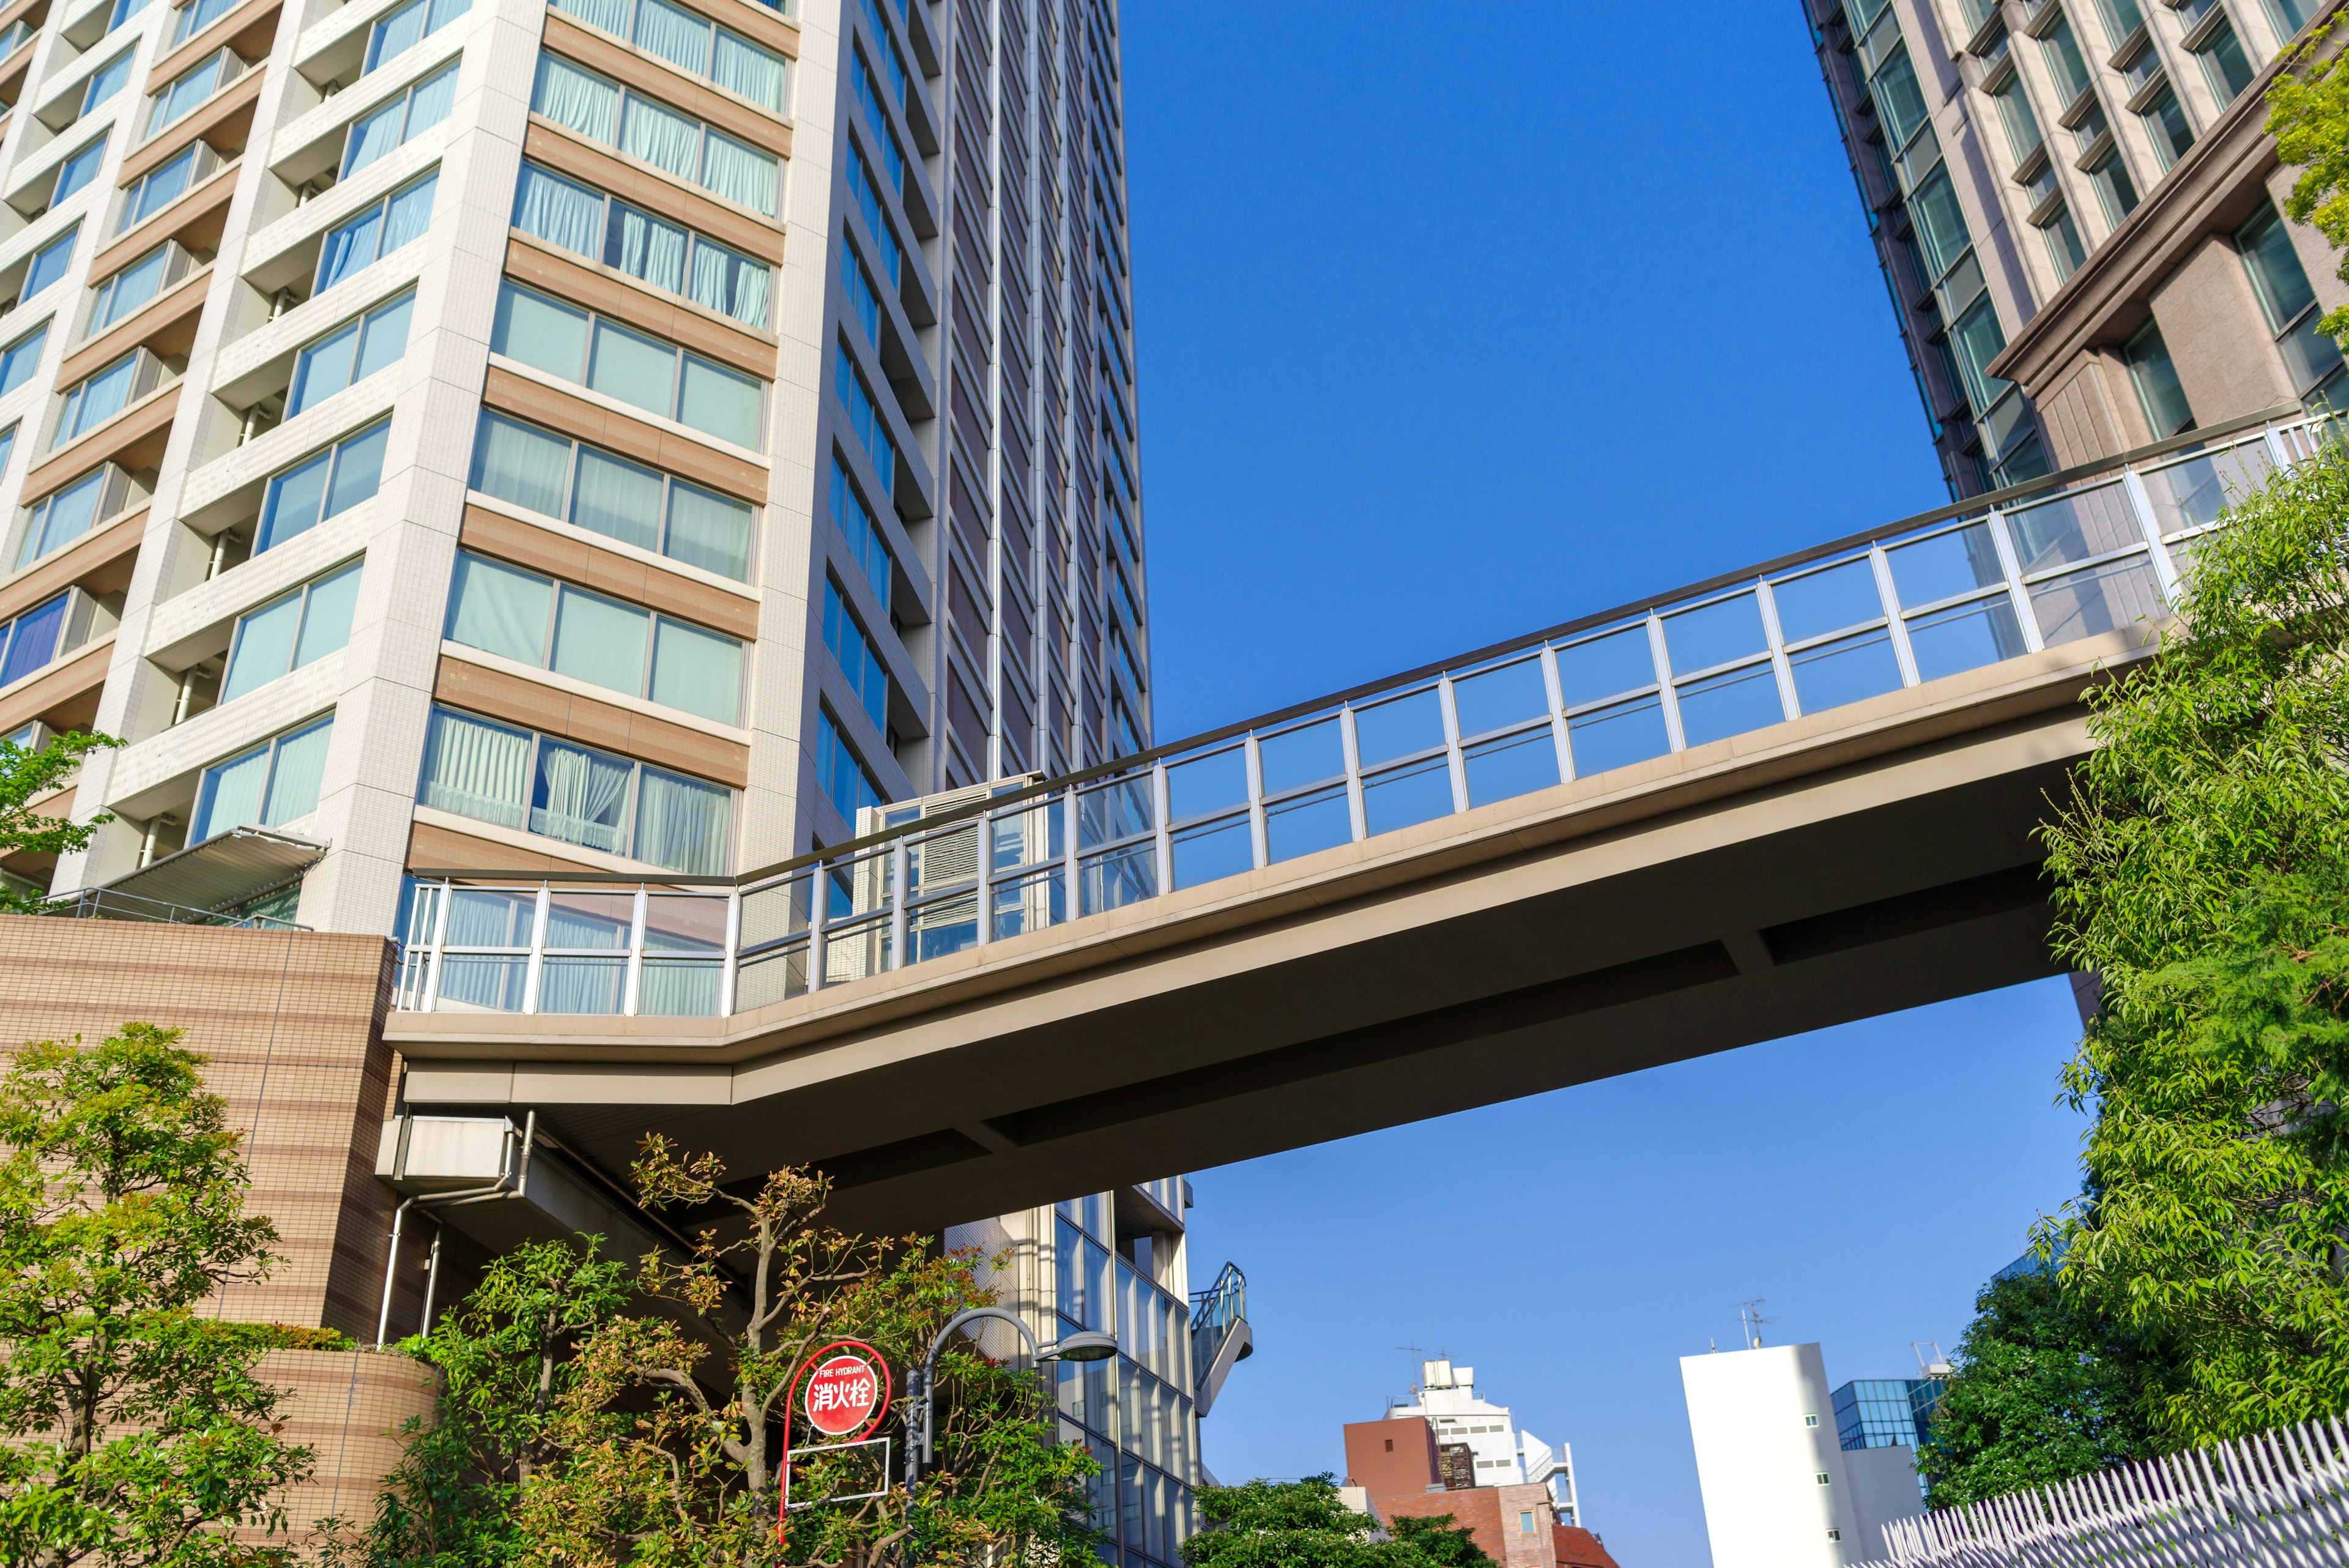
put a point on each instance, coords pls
(107, 903)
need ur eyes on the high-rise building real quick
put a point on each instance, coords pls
(1498, 1453)
(1792, 1474)
(624, 435)
(2079, 216)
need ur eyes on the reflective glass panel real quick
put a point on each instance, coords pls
(1419, 793)
(1206, 785)
(1945, 566)
(2104, 598)
(1819, 603)
(1400, 728)
(1206, 853)
(1308, 823)
(1299, 757)
(1517, 766)
(1830, 674)
(1714, 634)
(1964, 638)
(1617, 737)
(1725, 705)
(1606, 666)
(2073, 528)
(1499, 699)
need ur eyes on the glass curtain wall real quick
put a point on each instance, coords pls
(1133, 1411)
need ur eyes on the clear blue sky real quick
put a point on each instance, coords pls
(1459, 321)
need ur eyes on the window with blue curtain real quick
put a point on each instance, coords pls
(294, 630)
(323, 485)
(661, 255)
(22, 358)
(864, 534)
(858, 658)
(30, 641)
(596, 352)
(409, 24)
(98, 398)
(198, 16)
(105, 81)
(78, 170)
(410, 114)
(691, 43)
(128, 289)
(123, 11)
(846, 781)
(350, 353)
(647, 129)
(381, 229)
(49, 264)
(865, 419)
(157, 189)
(192, 90)
(590, 488)
(64, 515)
(267, 786)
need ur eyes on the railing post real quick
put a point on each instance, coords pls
(898, 861)
(1659, 655)
(1259, 840)
(1073, 905)
(1453, 760)
(1162, 806)
(818, 953)
(632, 987)
(1790, 703)
(1555, 687)
(1351, 748)
(982, 861)
(2141, 503)
(439, 940)
(1889, 592)
(537, 962)
(727, 970)
(2016, 593)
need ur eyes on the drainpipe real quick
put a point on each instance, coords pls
(509, 1184)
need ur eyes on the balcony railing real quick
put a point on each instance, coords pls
(2076, 554)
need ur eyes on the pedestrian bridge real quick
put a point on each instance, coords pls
(1779, 800)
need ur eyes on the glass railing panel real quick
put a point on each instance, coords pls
(1511, 766)
(1212, 851)
(1400, 727)
(1030, 902)
(1118, 878)
(1618, 736)
(678, 988)
(593, 922)
(1033, 833)
(1846, 669)
(490, 917)
(774, 911)
(1297, 758)
(1306, 824)
(2104, 598)
(2074, 527)
(779, 974)
(1107, 813)
(855, 949)
(1716, 634)
(585, 984)
(1615, 664)
(1945, 566)
(1965, 637)
(942, 926)
(1406, 796)
(685, 924)
(942, 859)
(2191, 493)
(483, 982)
(1501, 699)
(1715, 707)
(1822, 603)
(1201, 786)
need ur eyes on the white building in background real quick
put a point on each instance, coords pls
(1780, 1488)
(1447, 1400)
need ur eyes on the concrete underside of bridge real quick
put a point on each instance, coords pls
(1874, 857)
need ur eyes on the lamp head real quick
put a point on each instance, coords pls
(1090, 1345)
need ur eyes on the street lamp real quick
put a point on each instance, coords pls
(1088, 1345)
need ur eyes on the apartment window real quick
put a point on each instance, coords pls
(898, 76)
(106, 393)
(7, 447)
(1810, 1420)
(2224, 63)
(2063, 246)
(267, 786)
(49, 264)
(123, 11)
(2024, 135)
(2155, 379)
(864, 534)
(643, 372)
(78, 170)
(2064, 60)
(193, 88)
(159, 187)
(876, 218)
(868, 93)
(859, 659)
(2290, 15)
(1834, 1534)
(409, 115)
(1526, 1522)
(2165, 124)
(646, 128)
(30, 641)
(661, 255)
(18, 360)
(865, 419)
(135, 285)
(291, 631)
(847, 782)
(863, 301)
(592, 488)
(325, 485)
(381, 229)
(1899, 101)
(409, 24)
(517, 778)
(690, 42)
(350, 353)
(2115, 192)
(605, 642)
(66, 515)
(105, 81)
(2289, 305)
(2122, 18)
(1822, 1478)
(1940, 222)
(196, 17)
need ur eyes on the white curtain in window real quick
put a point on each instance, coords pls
(741, 174)
(517, 463)
(675, 988)
(732, 283)
(721, 402)
(557, 211)
(410, 214)
(662, 138)
(618, 499)
(651, 250)
(612, 16)
(499, 610)
(231, 795)
(709, 531)
(429, 105)
(476, 769)
(373, 136)
(490, 917)
(294, 782)
(697, 670)
(676, 36)
(264, 647)
(326, 618)
(582, 984)
(580, 797)
(569, 96)
(682, 823)
(742, 66)
(600, 641)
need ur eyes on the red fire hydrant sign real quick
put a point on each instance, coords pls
(840, 1393)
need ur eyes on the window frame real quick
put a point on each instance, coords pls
(434, 20)
(596, 318)
(206, 781)
(265, 538)
(62, 245)
(624, 96)
(609, 241)
(380, 211)
(293, 660)
(567, 517)
(160, 100)
(136, 192)
(360, 323)
(404, 101)
(636, 11)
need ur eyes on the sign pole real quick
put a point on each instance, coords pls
(844, 1389)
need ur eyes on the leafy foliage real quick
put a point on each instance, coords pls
(132, 1424)
(2202, 870)
(2045, 1388)
(2308, 114)
(25, 775)
(575, 1433)
(1304, 1524)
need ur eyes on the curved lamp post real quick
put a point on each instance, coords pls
(1088, 1345)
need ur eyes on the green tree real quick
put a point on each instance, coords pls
(133, 1426)
(2202, 869)
(2044, 1387)
(2308, 114)
(1306, 1524)
(25, 775)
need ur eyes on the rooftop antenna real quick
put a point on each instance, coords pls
(1750, 1320)
(1416, 1352)
(1933, 1365)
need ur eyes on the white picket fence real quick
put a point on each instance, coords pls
(2278, 1499)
